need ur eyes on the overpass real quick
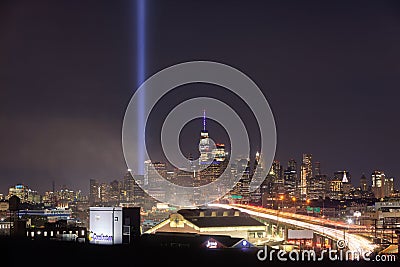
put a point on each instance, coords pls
(332, 229)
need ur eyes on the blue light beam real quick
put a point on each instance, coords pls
(141, 67)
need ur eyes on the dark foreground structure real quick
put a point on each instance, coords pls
(24, 252)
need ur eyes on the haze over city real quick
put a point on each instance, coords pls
(329, 71)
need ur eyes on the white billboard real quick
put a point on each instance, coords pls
(105, 225)
(300, 234)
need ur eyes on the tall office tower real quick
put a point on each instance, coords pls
(306, 174)
(378, 183)
(363, 183)
(317, 187)
(139, 196)
(277, 172)
(267, 188)
(104, 193)
(218, 153)
(216, 167)
(241, 191)
(291, 179)
(94, 192)
(155, 173)
(389, 186)
(115, 193)
(128, 184)
(340, 185)
(205, 147)
(343, 176)
(21, 191)
(260, 175)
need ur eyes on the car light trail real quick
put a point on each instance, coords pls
(355, 242)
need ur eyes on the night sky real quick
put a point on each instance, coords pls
(329, 69)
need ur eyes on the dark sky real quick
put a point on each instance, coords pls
(329, 69)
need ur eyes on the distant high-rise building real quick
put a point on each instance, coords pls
(340, 185)
(363, 183)
(205, 147)
(378, 183)
(277, 172)
(115, 193)
(139, 196)
(104, 193)
(94, 192)
(241, 192)
(291, 179)
(317, 187)
(128, 184)
(24, 193)
(155, 173)
(306, 174)
(389, 186)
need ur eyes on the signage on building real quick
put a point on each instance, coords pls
(211, 244)
(96, 238)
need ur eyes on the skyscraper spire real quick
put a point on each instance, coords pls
(204, 120)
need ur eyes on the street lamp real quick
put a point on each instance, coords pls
(282, 197)
(294, 201)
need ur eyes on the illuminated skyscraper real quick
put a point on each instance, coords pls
(155, 173)
(115, 193)
(24, 193)
(128, 184)
(389, 186)
(318, 184)
(306, 174)
(277, 174)
(378, 181)
(104, 193)
(291, 179)
(340, 185)
(317, 188)
(241, 192)
(205, 148)
(94, 192)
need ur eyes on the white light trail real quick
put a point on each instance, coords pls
(355, 242)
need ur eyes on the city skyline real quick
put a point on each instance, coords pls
(329, 71)
(306, 169)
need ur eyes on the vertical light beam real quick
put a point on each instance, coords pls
(141, 67)
(204, 120)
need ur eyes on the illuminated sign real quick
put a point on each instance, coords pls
(100, 237)
(211, 244)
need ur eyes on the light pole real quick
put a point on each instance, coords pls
(282, 197)
(294, 202)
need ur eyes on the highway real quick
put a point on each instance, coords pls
(329, 228)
